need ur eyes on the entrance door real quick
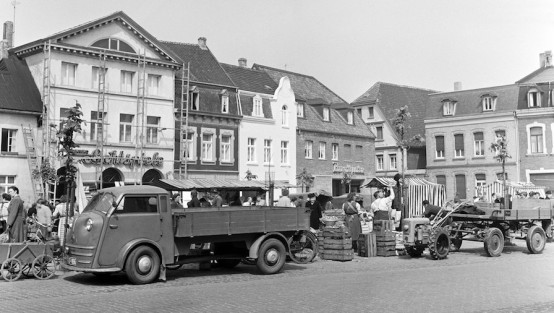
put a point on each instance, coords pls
(135, 217)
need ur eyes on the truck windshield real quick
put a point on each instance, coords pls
(100, 202)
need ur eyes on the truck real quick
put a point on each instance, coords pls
(490, 223)
(133, 229)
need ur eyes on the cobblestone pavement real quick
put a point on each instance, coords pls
(467, 281)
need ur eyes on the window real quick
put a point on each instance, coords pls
(359, 154)
(536, 139)
(335, 148)
(347, 152)
(96, 77)
(251, 150)
(500, 133)
(322, 150)
(308, 146)
(300, 109)
(6, 182)
(461, 186)
(350, 118)
(499, 176)
(284, 116)
(125, 127)
(96, 119)
(370, 113)
(392, 161)
(380, 163)
(458, 145)
(225, 148)
(439, 147)
(448, 107)
(8, 140)
(225, 104)
(127, 81)
(257, 110)
(188, 145)
(68, 73)
(64, 115)
(326, 114)
(489, 103)
(534, 98)
(480, 180)
(141, 204)
(207, 147)
(478, 144)
(153, 84)
(152, 126)
(194, 98)
(113, 44)
(284, 152)
(379, 132)
(441, 180)
(267, 150)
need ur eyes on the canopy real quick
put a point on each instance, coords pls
(202, 184)
(513, 189)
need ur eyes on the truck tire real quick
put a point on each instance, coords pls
(439, 243)
(271, 256)
(142, 265)
(536, 239)
(415, 251)
(494, 242)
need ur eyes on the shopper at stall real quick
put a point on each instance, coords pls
(351, 208)
(381, 206)
(4, 210)
(217, 201)
(176, 202)
(194, 202)
(16, 216)
(284, 200)
(44, 218)
(315, 211)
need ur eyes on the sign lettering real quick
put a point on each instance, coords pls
(347, 169)
(115, 158)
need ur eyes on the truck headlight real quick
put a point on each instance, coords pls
(406, 227)
(89, 224)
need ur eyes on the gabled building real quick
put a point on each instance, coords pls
(535, 124)
(123, 78)
(208, 145)
(377, 107)
(332, 140)
(267, 132)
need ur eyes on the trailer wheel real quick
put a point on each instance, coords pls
(415, 251)
(494, 242)
(536, 239)
(271, 256)
(11, 269)
(439, 243)
(142, 265)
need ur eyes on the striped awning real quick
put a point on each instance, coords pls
(513, 188)
(202, 184)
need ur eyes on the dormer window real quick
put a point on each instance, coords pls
(284, 116)
(257, 109)
(489, 103)
(300, 109)
(534, 98)
(448, 107)
(224, 101)
(326, 114)
(113, 44)
(350, 118)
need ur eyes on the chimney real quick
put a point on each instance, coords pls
(545, 59)
(457, 86)
(3, 49)
(202, 43)
(243, 62)
(8, 33)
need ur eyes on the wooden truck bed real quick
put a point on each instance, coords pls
(522, 209)
(238, 220)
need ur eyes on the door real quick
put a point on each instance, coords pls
(135, 217)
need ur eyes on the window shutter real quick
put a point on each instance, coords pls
(440, 143)
(480, 177)
(536, 131)
(478, 136)
(459, 142)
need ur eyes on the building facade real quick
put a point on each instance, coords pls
(123, 78)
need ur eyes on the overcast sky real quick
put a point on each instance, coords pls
(347, 45)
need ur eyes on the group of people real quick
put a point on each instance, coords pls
(214, 199)
(40, 219)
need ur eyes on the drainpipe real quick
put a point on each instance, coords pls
(518, 165)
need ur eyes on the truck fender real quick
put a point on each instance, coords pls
(120, 262)
(253, 251)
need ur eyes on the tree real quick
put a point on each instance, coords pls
(347, 180)
(45, 173)
(305, 179)
(250, 176)
(500, 148)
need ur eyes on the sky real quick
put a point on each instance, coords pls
(348, 45)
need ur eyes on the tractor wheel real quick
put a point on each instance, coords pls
(494, 242)
(536, 239)
(415, 251)
(439, 243)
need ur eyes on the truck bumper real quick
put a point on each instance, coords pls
(91, 270)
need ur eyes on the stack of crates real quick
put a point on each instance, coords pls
(385, 238)
(367, 245)
(337, 244)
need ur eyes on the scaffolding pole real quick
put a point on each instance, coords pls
(100, 119)
(141, 116)
(184, 133)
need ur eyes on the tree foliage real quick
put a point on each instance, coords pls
(45, 173)
(305, 179)
(67, 144)
(401, 126)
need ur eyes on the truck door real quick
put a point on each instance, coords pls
(166, 219)
(135, 217)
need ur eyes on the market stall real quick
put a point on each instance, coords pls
(513, 188)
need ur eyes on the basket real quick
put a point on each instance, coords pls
(329, 222)
(5, 237)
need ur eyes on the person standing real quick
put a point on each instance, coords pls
(381, 206)
(218, 201)
(315, 211)
(4, 210)
(284, 200)
(176, 202)
(44, 217)
(351, 208)
(60, 214)
(16, 216)
(194, 202)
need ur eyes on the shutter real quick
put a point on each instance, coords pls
(480, 177)
(440, 143)
(478, 136)
(461, 186)
(536, 131)
(459, 142)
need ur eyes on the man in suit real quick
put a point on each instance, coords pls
(16, 216)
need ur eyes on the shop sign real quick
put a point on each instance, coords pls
(115, 158)
(347, 169)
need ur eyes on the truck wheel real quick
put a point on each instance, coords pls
(439, 243)
(142, 265)
(415, 252)
(271, 256)
(494, 242)
(536, 239)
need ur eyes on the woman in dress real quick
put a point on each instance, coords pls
(351, 208)
(60, 213)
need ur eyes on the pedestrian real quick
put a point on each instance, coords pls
(315, 211)
(260, 201)
(299, 202)
(194, 202)
(44, 218)
(4, 210)
(352, 209)
(176, 202)
(381, 206)
(217, 201)
(60, 214)
(248, 202)
(16, 216)
(284, 200)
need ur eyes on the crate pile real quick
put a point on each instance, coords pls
(334, 240)
(385, 238)
(367, 245)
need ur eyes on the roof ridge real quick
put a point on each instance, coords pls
(474, 89)
(284, 71)
(406, 86)
(179, 43)
(85, 23)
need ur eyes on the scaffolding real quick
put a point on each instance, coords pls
(100, 117)
(184, 120)
(49, 139)
(141, 115)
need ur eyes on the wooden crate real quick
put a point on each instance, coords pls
(367, 245)
(381, 226)
(338, 233)
(386, 253)
(338, 255)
